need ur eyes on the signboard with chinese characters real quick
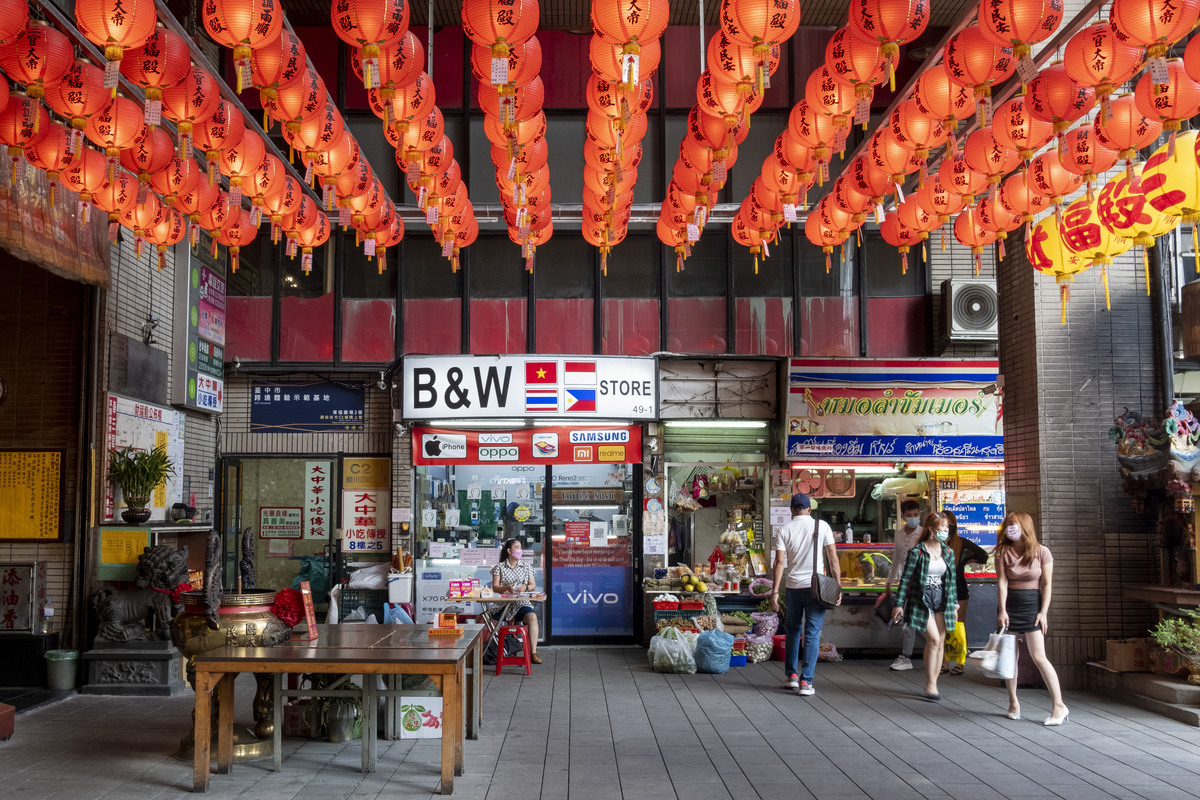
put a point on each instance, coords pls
(317, 490)
(275, 522)
(22, 590)
(593, 387)
(200, 314)
(31, 484)
(365, 516)
(307, 406)
(144, 426)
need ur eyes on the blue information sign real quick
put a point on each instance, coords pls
(977, 521)
(307, 406)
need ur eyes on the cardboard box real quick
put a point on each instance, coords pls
(1128, 655)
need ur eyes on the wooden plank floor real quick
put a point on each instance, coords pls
(597, 724)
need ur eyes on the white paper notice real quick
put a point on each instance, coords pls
(429, 517)
(479, 556)
(781, 515)
(599, 534)
(440, 550)
(451, 517)
(279, 547)
(654, 545)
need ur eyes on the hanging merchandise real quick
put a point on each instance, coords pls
(243, 25)
(115, 25)
(372, 26)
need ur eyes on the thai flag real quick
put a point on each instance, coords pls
(579, 373)
(541, 401)
(580, 400)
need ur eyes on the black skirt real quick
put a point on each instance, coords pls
(1023, 606)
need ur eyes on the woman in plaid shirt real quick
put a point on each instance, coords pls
(927, 592)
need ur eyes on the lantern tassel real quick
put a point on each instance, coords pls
(904, 263)
(1000, 247)
(1064, 293)
(1146, 269)
(1196, 247)
(943, 237)
(1104, 277)
(978, 264)
(828, 265)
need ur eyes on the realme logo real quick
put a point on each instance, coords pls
(611, 453)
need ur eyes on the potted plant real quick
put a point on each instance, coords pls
(1181, 635)
(340, 717)
(138, 473)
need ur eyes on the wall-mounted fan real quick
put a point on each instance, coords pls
(809, 482)
(839, 483)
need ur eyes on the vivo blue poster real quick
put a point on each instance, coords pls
(592, 590)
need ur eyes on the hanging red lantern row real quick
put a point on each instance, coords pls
(115, 25)
(1087, 156)
(1154, 25)
(889, 24)
(859, 64)
(224, 129)
(38, 57)
(1054, 97)
(1019, 24)
(1097, 57)
(1127, 129)
(242, 26)
(974, 61)
(79, 95)
(277, 65)
(160, 62)
(52, 153)
(899, 236)
(1016, 128)
(189, 103)
(372, 26)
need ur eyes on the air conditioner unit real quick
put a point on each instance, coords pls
(970, 311)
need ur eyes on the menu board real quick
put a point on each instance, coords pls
(978, 522)
(200, 341)
(31, 484)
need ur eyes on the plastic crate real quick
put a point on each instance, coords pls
(737, 661)
(666, 605)
(371, 600)
(692, 605)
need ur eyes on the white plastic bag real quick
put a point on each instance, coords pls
(369, 577)
(998, 659)
(671, 651)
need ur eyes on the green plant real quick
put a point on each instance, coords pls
(138, 472)
(325, 706)
(1180, 634)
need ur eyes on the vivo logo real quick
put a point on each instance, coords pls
(587, 598)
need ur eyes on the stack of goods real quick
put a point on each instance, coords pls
(737, 657)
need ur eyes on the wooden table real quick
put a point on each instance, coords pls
(354, 649)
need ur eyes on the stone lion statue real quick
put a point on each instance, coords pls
(145, 612)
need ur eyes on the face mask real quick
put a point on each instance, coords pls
(516, 554)
(911, 522)
(1013, 532)
(943, 535)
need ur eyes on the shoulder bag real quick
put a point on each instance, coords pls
(826, 592)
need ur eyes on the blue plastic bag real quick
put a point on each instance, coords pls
(713, 650)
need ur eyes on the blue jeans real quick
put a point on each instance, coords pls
(801, 608)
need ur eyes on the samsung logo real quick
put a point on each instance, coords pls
(598, 437)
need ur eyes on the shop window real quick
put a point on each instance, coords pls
(368, 306)
(499, 295)
(306, 308)
(763, 304)
(896, 302)
(564, 277)
(696, 303)
(432, 308)
(631, 297)
(250, 296)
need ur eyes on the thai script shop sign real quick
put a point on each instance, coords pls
(894, 410)
(591, 387)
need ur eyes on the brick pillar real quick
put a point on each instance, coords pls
(1063, 384)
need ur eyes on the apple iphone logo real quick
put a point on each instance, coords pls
(444, 445)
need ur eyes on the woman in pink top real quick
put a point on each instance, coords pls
(1024, 569)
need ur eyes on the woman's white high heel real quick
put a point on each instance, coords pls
(1052, 722)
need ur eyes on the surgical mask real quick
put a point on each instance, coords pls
(943, 535)
(516, 554)
(1013, 532)
(911, 522)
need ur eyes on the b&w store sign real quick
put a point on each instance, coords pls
(546, 387)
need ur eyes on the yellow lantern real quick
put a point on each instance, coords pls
(1049, 255)
(1171, 183)
(1125, 210)
(1083, 233)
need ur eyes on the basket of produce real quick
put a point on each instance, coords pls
(691, 603)
(682, 623)
(761, 587)
(666, 602)
(737, 658)
(765, 622)
(758, 648)
(693, 583)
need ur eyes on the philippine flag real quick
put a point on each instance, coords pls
(579, 373)
(579, 400)
(541, 401)
(541, 372)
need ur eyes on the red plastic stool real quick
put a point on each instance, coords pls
(522, 634)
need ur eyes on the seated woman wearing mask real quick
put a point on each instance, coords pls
(513, 575)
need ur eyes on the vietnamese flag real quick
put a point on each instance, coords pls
(540, 372)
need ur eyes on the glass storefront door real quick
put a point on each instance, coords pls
(593, 555)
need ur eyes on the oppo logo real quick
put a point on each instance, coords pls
(498, 453)
(587, 598)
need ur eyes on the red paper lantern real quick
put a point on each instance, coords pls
(855, 62)
(992, 215)
(14, 16)
(318, 132)
(607, 58)
(237, 232)
(899, 236)
(115, 25)
(533, 129)
(1127, 129)
(937, 198)
(760, 22)
(725, 100)
(816, 132)
(1020, 198)
(372, 26)
(1014, 127)
(170, 231)
(212, 218)
(886, 154)
(974, 61)
(1050, 178)
(1153, 24)
(87, 175)
(244, 25)
(794, 155)
(141, 216)
(1097, 57)
(889, 24)
(80, 93)
(1019, 23)
(38, 57)
(266, 181)
(1087, 156)
(278, 63)
(239, 162)
(179, 177)
(941, 98)
(870, 179)
(330, 164)
(295, 103)
(1054, 97)
(970, 233)
(149, 153)
(847, 197)
(515, 104)
(957, 176)
(914, 216)
(413, 101)
(783, 181)
(1191, 58)
(116, 127)
(22, 122)
(707, 129)
(741, 63)
(827, 96)
(988, 157)
(916, 131)
(223, 129)
(191, 102)
(52, 153)
(116, 197)
(1171, 103)
(311, 236)
(162, 61)
(525, 61)
(195, 202)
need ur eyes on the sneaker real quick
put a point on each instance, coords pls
(806, 689)
(901, 663)
(792, 682)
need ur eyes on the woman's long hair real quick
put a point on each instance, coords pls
(508, 546)
(955, 541)
(1026, 547)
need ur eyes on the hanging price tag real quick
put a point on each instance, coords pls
(1026, 69)
(1158, 71)
(431, 215)
(448, 247)
(153, 112)
(344, 216)
(789, 212)
(369, 246)
(862, 110)
(693, 233)
(499, 71)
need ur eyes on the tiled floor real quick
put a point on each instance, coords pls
(597, 724)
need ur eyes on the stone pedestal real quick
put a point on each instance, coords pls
(139, 669)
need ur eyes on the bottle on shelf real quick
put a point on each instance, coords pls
(849, 534)
(45, 616)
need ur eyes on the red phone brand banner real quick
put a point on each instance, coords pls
(560, 444)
